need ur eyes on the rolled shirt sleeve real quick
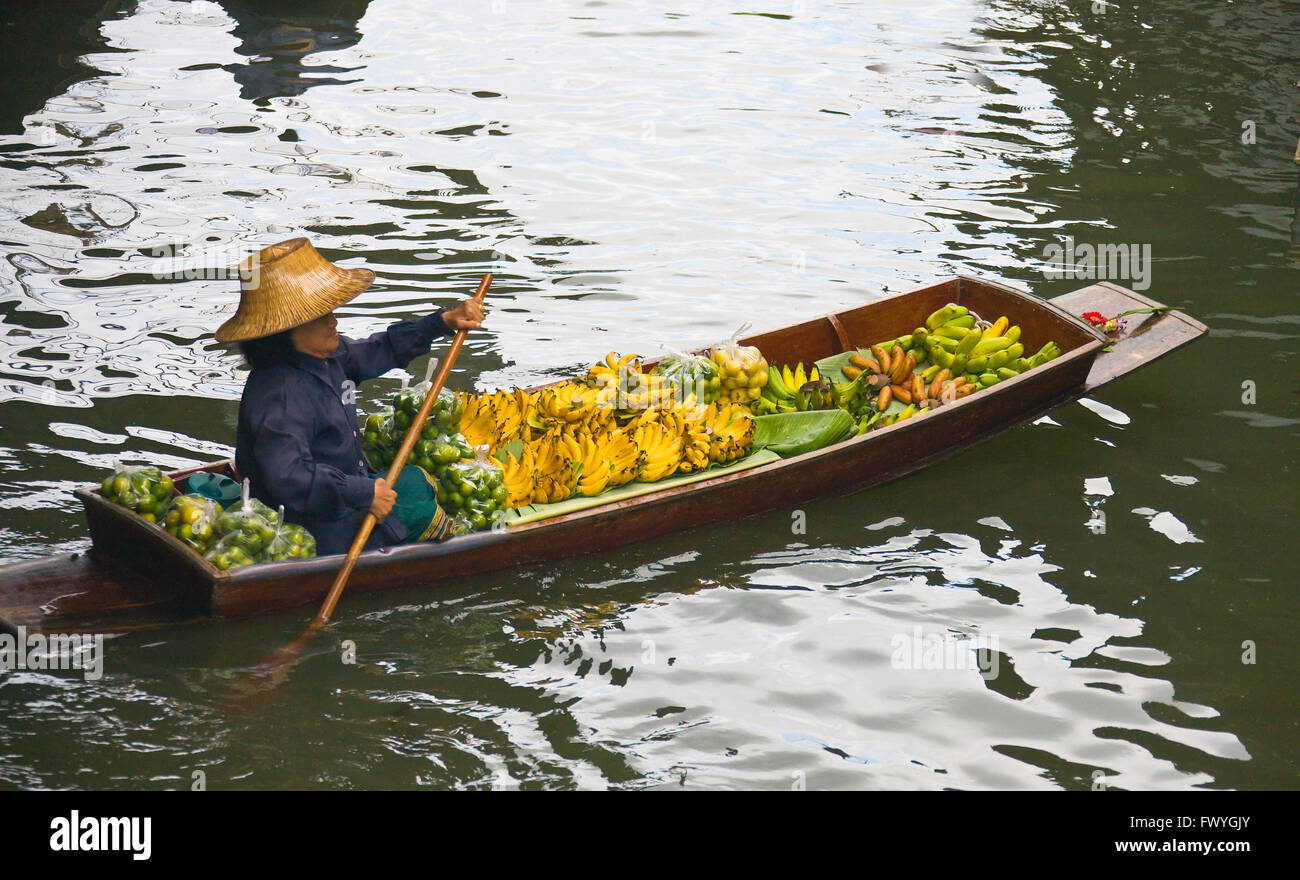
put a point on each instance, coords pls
(390, 349)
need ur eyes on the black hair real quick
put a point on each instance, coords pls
(269, 350)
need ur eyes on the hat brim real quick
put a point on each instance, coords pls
(334, 288)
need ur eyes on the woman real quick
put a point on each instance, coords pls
(297, 439)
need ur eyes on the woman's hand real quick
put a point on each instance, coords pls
(383, 501)
(466, 316)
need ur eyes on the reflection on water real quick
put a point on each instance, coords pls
(278, 40)
(42, 52)
(633, 177)
(777, 671)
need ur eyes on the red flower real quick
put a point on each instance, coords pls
(1112, 326)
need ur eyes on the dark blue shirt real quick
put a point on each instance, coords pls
(297, 440)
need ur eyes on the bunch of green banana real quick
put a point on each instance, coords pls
(794, 390)
(852, 395)
(999, 369)
(869, 419)
(984, 356)
(814, 394)
(872, 420)
(764, 406)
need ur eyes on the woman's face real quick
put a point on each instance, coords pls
(317, 338)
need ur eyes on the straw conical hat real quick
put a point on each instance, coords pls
(285, 286)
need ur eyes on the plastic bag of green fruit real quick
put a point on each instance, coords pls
(377, 440)
(289, 542)
(473, 490)
(191, 519)
(229, 553)
(145, 490)
(435, 453)
(691, 374)
(248, 524)
(445, 413)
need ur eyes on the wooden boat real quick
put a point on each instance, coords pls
(136, 576)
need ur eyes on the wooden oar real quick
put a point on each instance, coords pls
(272, 670)
(399, 462)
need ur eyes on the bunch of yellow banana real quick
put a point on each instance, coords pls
(696, 435)
(661, 448)
(594, 476)
(731, 432)
(566, 403)
(572, 442)
(623, 455)
(645, 391)
(520, 477)
(600, 421)
(611, 373)
(619, 384)
(479, 421)
(555, 468)
(595, 422)
(793, 380)
(511, 410)
(673, 420)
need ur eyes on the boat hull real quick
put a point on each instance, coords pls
(188, 588)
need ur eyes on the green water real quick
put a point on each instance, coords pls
(638, 176)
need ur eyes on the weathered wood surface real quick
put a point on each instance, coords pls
(134, 580)
(1144, 339)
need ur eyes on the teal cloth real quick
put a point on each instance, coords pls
(417, 506)
(217, 487)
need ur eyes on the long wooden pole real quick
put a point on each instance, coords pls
(399, 461)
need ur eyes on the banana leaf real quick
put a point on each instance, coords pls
(789, 434)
